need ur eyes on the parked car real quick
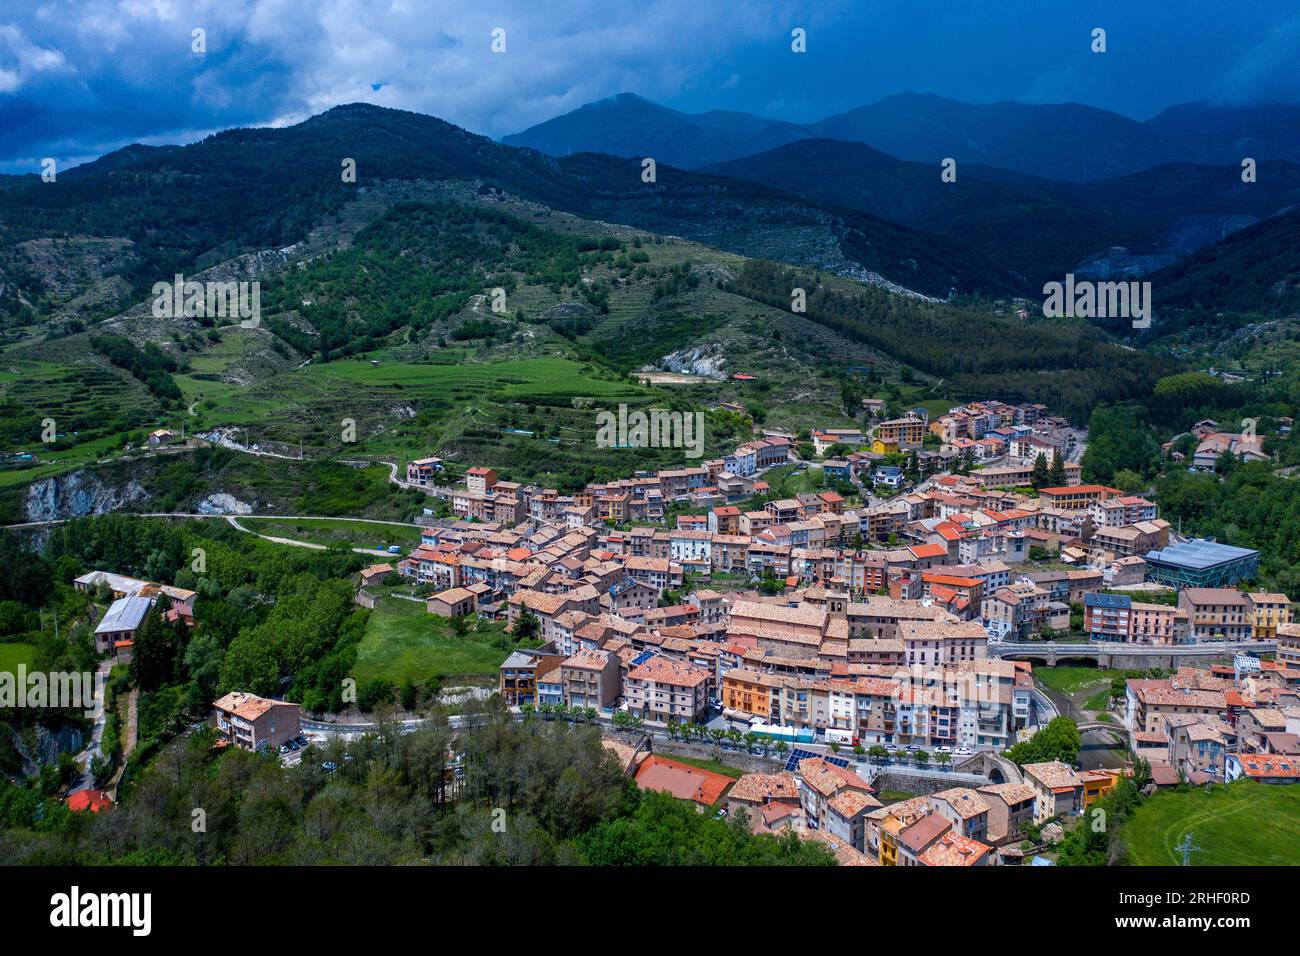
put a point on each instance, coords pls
(329, 766)
(943, 750)
(291, 744)
(284, 748)
(963, 751)
(302, 740)
(912, 748)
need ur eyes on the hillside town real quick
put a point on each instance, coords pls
(637, 438)
(861, 646)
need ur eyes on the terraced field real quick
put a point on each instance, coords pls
(523, 399)
(92, 408)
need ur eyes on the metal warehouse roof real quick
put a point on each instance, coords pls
(125, 614)
(1199, 553)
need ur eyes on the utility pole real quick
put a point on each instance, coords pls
(1187, 849)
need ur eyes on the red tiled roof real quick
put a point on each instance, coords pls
(681, 780)
(92, 800)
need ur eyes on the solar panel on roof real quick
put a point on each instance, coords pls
(642, 658)
(797, 755)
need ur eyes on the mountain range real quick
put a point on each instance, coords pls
(1038, 228)
(1040, 190)
(1065, 141)
(259, 188)
(374, 290)
(833, 204)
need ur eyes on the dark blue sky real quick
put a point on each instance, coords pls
(81, 77)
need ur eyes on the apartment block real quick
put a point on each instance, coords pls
(667, 691)
(252, 723)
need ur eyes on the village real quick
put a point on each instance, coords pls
(855, 675)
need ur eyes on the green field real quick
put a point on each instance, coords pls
(1242, 824)
(402, 642)
(305, 404)
(531, 418)
(1070, 679)
(786, 481)
(327, 532)
(520, 379)
(11, 655)
(1099, 700)
(910, 395)
(895, 796)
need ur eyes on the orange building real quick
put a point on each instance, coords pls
(748, 690)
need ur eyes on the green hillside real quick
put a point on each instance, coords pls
(1243, 824)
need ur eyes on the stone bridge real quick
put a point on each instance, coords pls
(1118, 731)
(1123, 656)
(992, 765)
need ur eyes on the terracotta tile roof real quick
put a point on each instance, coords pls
(966, 802)
(1010, 793)
(1270, 765)
(681, 780)
(92, 800)
(625, 754)
(849, 803)
(844, 854)
(952, 849)
(828, 779)
(663, 671)
(247, 706)
(1053, 774)
(762, 787)
(806, 615)
(923, 832)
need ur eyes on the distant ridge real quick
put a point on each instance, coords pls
(1060, 141)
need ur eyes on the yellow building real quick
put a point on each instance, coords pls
(1268, 611)
(888, 823)
(1097, 784)
(890, 827)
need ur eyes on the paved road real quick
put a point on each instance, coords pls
(234, 523)
(95, 748)
(1045, 708)
(211, 517)
(319, 731)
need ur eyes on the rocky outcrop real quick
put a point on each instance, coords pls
(224, 504)
(706, 361)
(37, 745)
(78, 494)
